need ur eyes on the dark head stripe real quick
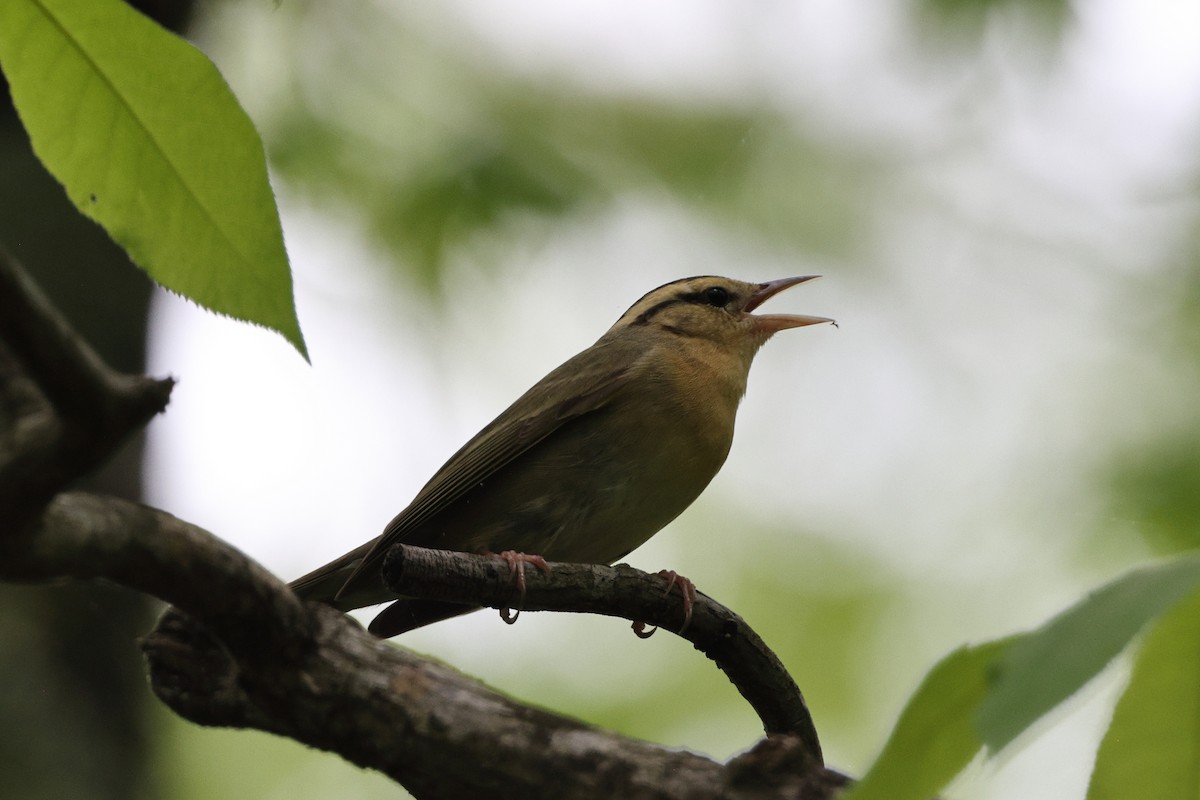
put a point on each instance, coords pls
(646, 315)
(689, 297)
(657, 289)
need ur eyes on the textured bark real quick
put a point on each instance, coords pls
(619, 591)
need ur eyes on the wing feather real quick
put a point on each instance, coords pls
(580, 386)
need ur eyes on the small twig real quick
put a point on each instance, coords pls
(70, 373)
(619, 591)
(68, 410)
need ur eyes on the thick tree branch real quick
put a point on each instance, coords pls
(82, 535)
(619, 591)
(436, 731)
(250, 654)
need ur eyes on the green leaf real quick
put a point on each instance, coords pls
(988, 694)
(149, 141)
(935, 737)
(1152, 747)
(1042, 668)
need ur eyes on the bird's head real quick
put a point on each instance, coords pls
(715, 309)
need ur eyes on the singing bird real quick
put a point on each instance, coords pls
(594, 459)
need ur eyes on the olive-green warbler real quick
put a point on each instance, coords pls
(594, 459)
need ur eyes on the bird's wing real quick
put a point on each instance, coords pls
(580, 386)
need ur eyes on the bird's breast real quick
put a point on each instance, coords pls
(624, 477)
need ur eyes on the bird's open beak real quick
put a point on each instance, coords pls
(770, 323)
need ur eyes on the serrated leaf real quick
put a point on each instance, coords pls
(1152, 747)
(149, 141)
(935, 736)
(1048, 665)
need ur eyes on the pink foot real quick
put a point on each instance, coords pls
(516, 565)
(686, 588)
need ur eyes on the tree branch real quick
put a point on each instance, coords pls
(619, 591)
(250, 654)
(81, 535)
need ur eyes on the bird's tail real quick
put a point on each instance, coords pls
(409, 613)
(324, 583)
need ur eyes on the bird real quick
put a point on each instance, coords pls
(592, 460)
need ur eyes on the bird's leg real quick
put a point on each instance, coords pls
(516, 565)
(686, 588)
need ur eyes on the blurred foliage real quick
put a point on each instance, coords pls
(970, 18)
(1154, 481)
(546, 157)
(74, 701)
(207, 763)
(474, 186)
(1157, 485)
(432, 156)
(815, 611)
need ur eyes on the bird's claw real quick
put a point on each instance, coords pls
(516, 565)
(686, 588)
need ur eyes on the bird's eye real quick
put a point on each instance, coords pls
(716, 296)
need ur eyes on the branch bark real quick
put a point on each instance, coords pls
(619, 591)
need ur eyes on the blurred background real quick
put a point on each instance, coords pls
(1001, 195)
